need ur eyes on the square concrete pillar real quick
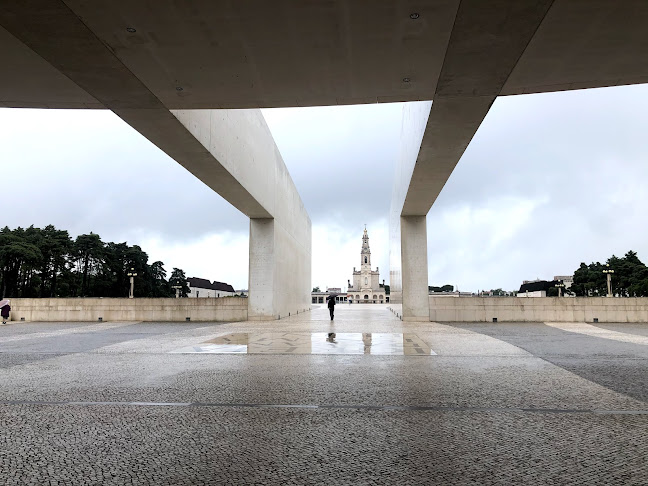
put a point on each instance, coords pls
(262, 269)
(414, 268)
(280, 271)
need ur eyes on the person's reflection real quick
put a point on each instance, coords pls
(366, 339)
(331, 337)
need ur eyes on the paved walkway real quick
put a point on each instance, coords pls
(174, 403)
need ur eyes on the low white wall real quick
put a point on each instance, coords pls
(547, 309)
(160, 309)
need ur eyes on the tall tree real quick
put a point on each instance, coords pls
(18, 258)
(55, 246)
(89, 250)
(161, 288)
(178, 277)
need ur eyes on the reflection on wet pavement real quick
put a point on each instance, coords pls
(314, 343)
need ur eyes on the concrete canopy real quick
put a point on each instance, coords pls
(249, 54)
(254, 54)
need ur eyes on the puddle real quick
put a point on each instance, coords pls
(392, 344)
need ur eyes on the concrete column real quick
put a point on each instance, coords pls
(395, 280)
(262, 269)
(414, 267)
(280, 271)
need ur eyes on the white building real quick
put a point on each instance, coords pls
(568, 280)
(366, 286)
(201, 287)
(322, 297)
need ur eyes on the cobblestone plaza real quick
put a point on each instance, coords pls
(166, 403)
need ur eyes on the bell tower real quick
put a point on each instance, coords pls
(365, 253)
(366, 287)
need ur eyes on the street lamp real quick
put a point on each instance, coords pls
(560, 287)
(132, 274)
(177, 289)
(608, 271)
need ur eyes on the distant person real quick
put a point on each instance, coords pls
(331, 305)
(6, 308)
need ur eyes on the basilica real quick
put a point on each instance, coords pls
(366, 286)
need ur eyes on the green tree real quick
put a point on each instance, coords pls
(46, 262)
(161, 288)
(552, 292)
(443, 288)
(88, 250)
(55, 246)
(112, 280)
(630, 277)
(316, 289)
(18, 259)
(178, 278)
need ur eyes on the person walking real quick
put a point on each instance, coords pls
(331, 304)
(4, 311)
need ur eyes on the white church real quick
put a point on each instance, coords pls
(366, 288)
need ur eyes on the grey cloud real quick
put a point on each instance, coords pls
(576, 160)
(341, 158)
(582, 153)
(94, 173)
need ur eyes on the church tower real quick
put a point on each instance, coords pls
(366, 286)
(365, 253)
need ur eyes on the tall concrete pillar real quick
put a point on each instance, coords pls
(414, 268)
(261, 272)
(280, 271)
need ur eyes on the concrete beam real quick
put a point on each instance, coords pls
(280, 234)
(414, 121)
(451, 125)
(487, 41)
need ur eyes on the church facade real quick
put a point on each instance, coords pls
(366, 287)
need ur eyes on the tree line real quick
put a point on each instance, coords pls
(630, 277)
(47, 262)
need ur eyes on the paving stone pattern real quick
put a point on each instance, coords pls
(111, 403)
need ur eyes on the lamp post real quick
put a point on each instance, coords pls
(560, 287)
(608, 272)
(132, 274)
(177, 289)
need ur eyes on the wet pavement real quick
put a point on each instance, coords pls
(377, 343)
(365, 399)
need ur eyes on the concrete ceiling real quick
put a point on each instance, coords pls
(248, 54)
(255, 53)
(585, 44)
(28, 81)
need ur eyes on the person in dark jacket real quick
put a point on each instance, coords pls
(5, 312)
(331, 304)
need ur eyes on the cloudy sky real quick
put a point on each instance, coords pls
(549, 180)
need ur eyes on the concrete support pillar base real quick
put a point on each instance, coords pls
(262, 269)
(279, 271)
(414, 268)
